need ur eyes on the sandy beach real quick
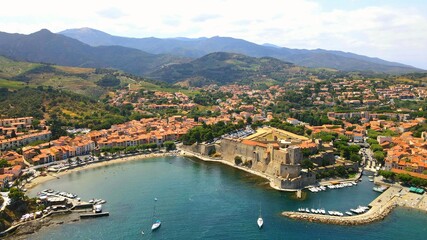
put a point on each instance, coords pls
(52, 176)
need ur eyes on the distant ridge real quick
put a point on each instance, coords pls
(47, 47)
(198, 47)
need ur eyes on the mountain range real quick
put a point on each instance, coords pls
(178, 60)
(198, 47)
(47, 47)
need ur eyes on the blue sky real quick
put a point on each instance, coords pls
(392, 30)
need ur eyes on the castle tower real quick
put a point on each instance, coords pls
(295, 155)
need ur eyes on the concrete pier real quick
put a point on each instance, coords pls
(380, 208)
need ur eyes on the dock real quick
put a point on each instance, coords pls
(380, 207)
(95, 215)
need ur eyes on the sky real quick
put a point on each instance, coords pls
(394, 30)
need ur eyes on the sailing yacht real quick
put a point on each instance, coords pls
(157, 223)
(260, 221)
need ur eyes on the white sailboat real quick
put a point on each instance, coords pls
(157, 223)
(260, 221)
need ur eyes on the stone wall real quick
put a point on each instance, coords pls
(323, 157)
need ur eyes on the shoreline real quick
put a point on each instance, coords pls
(23, 230)
(270, 179)
(52, 176)
(186, 153)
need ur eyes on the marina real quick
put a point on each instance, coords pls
(332, 186)
(377, 210)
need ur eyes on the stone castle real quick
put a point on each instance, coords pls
(273, 152)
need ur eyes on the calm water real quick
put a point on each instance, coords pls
(198, 200)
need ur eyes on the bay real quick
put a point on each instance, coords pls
(200, 200)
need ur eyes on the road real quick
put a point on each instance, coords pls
(6, 198)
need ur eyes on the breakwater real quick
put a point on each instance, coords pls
(380, 208)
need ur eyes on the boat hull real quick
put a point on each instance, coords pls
(155, 226)
(260, 222)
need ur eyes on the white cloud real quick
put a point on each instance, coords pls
(397, 34)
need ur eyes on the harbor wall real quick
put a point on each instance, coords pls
(379, 209)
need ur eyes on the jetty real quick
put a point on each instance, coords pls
(95, 215)
(379, 209)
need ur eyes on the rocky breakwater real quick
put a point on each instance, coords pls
(380, 208)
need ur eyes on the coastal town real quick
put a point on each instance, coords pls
(293, 150)
(213, 120)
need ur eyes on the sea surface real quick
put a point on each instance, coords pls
(200, 200)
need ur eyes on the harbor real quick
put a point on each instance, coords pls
(205, 194)
(58, 203)
(379, 208)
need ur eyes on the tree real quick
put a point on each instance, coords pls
(387, 174)
(249, 120)
(355, 158)
(340, 170)
(169, 145)
(13, 134)
(108, 80)
(376, 147)
(4, 163)
(57, 130)
(379, 155)
(35, 123)
(16, 195)
(307, 164)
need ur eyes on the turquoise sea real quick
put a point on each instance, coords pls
(199, 200)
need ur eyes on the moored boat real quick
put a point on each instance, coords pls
(156, 225)
(379, 188)
(260, 222)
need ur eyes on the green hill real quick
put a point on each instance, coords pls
(226, 68)
(85, 81)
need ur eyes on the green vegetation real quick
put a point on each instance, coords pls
(4, 163)
(405, 178)
(326, 136)
(276, 123)
(11, 84)
(169, 145)
(349, 152)
(208, 132)
(108, 80)
(387, 132)
(62, 108)
(226, 68)
(339, 171)
(205, 98)
(20, 204)
(307, 164)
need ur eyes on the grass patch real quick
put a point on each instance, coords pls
(154, 87)
(10, 68)
(75, 70)
(12, 85)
